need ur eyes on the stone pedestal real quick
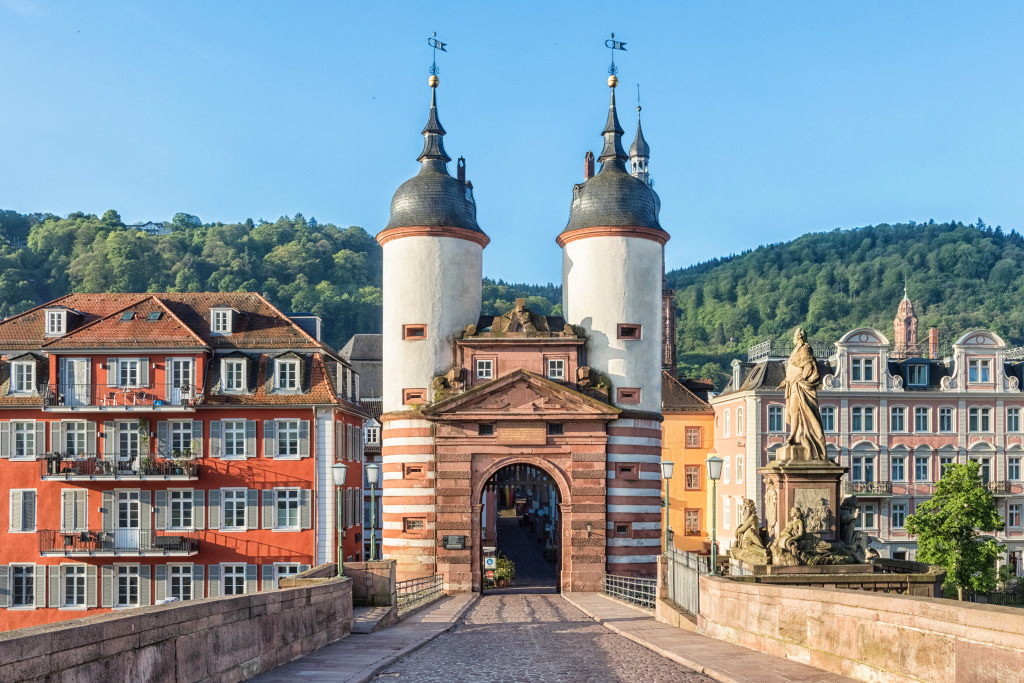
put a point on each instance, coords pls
(811, 485)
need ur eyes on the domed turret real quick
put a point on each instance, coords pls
(433, 268)
(613, 197)
(905, 330)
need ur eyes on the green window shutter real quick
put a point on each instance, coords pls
(110, 445)
(40, 585)
(215, 426)
(213, 509)
(145, 587)
(5, 439)
(5, 586)
(305, 509)
(304, 438)
(160, 510)
(250, 578)
(269, 438)
(56, 592)
(90, 585)
(214, 582)
(268, 578)
(146, 512)
(39, 446)
(250, 438)
(252, 509)
(162, 431)
(90, 439)
(111, 372)
(108, 511)
(197, 438)
(160, 581)
(268, 509)
(198, 583)
(107, 592)
(198, 509)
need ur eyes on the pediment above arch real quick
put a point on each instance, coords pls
(521, 394)
(864, 336)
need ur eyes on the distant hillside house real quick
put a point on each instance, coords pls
(152, 228)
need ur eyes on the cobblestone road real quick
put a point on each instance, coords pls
(531, 637)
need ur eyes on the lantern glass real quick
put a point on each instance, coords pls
(666, 469)
(714, 464)
(339, 470)
(373, 474)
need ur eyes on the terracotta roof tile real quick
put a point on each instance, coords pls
(677, 398)
(27, 330)
(115, 332)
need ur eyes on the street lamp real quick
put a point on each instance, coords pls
(373, 476)
(666, 474)
(339, 470)
(714, 464)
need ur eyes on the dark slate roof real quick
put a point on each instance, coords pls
(677, 398)
(612, 197)
(432, 197)
(936, 371)
(363, 347)
(768, 374)
(639, 148)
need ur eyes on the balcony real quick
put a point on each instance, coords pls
(61, 467)
(117, 542)
(70, 398)
(1000, 488)
(867, 488)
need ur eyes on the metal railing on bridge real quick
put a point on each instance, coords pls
(634, 590)
(415, 592)
(683, 578)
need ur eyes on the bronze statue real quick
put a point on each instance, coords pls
(748, 546)
(801, 384)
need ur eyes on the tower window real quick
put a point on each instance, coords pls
(631, 395)
(484, 369)
(485, 429)
(555, 429)
(411, 396)
(414, 331)
(556, 368)
(629, 331)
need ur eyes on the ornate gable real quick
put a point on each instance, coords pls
(519, 394)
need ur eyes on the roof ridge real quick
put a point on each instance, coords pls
(97, 321)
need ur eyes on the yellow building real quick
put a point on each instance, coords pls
(687, 436)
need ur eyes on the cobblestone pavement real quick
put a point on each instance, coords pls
(524, 637)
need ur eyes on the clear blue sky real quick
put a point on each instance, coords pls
(766, 120)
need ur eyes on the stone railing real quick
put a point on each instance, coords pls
(866, 635)
(227, 638)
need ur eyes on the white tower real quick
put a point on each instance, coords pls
(433, 252)
(612, 265)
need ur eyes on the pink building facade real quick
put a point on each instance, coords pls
(894, 418)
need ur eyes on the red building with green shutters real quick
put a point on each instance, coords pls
(168, 446)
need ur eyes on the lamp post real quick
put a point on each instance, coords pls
(339, 470)
(714, 464)
(373, 476)
(666, 474)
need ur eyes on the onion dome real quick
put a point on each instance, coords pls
(613, 197)
(432, 198)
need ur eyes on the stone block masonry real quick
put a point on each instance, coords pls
(227, 638)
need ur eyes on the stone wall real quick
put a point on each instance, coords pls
(373, 583)
(865, 635)
(227, 638)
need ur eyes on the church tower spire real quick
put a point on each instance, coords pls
(433, 132)
(613, 155)
(905, 329)
(639, 153)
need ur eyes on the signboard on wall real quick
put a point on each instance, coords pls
(454, 542)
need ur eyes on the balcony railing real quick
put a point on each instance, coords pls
(118, 542)
(131, 466)
(999, 488)
(70, 397)
(875, 488)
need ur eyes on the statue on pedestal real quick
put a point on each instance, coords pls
(806, 439)
(748, 546)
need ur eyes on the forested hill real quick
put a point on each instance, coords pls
(958, 277)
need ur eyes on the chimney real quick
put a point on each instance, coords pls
(461, 166)
(933, 343)
(588, 165)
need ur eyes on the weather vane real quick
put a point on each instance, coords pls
(437, 45)
(614, 45)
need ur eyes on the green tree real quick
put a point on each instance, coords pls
(949, 525)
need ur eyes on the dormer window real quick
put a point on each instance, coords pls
(56, 323)
(220, 321)
(979, 370)
(917, 375)
(23, 377)
(234, 375)
(863, 370)
(287, 374)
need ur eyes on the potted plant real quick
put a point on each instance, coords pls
(504, 572)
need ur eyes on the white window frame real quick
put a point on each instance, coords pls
(739, 422)
(862, 467)
(860, 417)
(898, 515)
(288, 435)
(979, 420)
(28, 570)
(77, 432)
(238, 496)
(183, 573)
(898, 419)
(868, 517)
(979, 370)
(372, 436)
(28, 430)
(124, 571)
(124, 373)
(899, 461)
(1013, 468)
(1013, 419)
(234, 431)
(229, 367)
(291, 500)
(26, 383)
(283, 570)
(180, 499)
(1013, 515)
(776, 418)
(56, 323)
(726, 423)
(556, 369)
(927, 469)
(946, 415)
(828, 418)
(917, 375)
(220, 322)
(237, 571)
(77, 575)
(485, 368)
(25, 528)
(286, 375)
(862, 369)
(922, 419)
(180, 431)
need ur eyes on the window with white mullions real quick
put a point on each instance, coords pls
(283, 571)
(234, 579)
(24, 439)
(287, 506)
(180, 581)
(234, 375)
(23, 377)
(288, 437)
(484, 369)
(74, 585)
(234, 509)
(128, 586)
(234, 438)
(180, 437)
(287, 374)
(181, 509)
(23, 586)
(556, 368)
(74, 438)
